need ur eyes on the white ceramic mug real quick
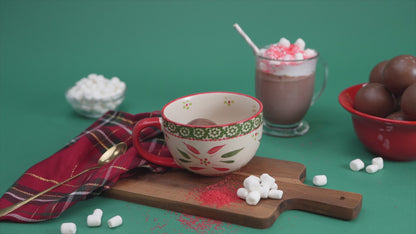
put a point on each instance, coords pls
(228, 143)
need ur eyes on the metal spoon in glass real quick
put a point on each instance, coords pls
(108, 156)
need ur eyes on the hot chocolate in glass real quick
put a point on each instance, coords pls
(285, 84)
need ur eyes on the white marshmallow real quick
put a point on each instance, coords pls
(319, 180)
(356, 164)
(284, 42)
(264, 191)
(300, 43)
(274, 186)
(378, 161)
(275, 194)
(267, 179)
(310, 53)
(299, 56)
(252, 183)
(242, 193)
(115, 221)
(254, 178)
(371, 168)
(253, 198)
(93, 221)
(98, 212)
(68, 228)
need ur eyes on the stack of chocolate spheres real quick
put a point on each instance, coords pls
(391, 91)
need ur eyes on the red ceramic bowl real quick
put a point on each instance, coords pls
(390, 139)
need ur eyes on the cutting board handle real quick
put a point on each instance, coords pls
(333, 203)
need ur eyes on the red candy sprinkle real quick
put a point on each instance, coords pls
(279, 52)
(220, 194)
(199, 224)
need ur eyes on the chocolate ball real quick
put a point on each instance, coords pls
(408, 102)
(376, 74)
(201, 122)
(398, 115)
(399, 73)
(374, 99)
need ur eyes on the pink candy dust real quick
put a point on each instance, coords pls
(221, 194)
(279, 52)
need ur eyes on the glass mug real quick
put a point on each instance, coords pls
(287, 90)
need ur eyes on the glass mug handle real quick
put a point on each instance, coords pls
(156, 159)
(321, 91)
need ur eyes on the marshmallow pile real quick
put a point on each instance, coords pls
(376, 165)
(93, 220)
(95, 94)
(256, 188)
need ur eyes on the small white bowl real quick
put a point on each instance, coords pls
(95, 108)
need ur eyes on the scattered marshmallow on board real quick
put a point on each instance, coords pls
(275, 194)
(257, 188)
(253, 197)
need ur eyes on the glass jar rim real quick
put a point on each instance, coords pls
(289, 60)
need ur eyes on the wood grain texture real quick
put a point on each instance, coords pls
(171, 191)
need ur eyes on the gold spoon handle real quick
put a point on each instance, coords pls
(11, 208)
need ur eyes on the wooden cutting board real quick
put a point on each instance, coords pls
(173, 191)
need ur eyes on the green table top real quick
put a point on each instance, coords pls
(168, 49)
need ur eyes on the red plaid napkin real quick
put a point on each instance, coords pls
(80, 154)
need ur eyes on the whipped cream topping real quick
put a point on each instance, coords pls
(284, 58)
(284, 50)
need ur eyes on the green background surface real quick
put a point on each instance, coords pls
(167, 49)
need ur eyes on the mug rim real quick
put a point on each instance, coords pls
(217, 125)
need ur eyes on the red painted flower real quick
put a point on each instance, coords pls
(204, 161)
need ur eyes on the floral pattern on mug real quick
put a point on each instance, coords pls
(186, 104)
(228, 101)
(213, 133)
(191, 155)
(255, 135)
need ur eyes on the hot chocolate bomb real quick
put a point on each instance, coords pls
(376, 74)
(388, 80)
(408, 102)
(374, 99)
(399, 73)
